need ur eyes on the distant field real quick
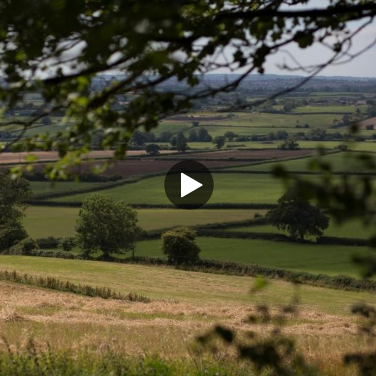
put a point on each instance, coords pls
(46, 187)
(42, 222)
(243, 189)
(343, 161)
(350, 229)
(328, 259)
(328, 109)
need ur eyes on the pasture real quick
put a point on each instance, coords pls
(41, 222)
(244, 188)
(339, 162)
(350, 229)
(311, 258)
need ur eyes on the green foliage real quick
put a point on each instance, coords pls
(11, 234)
(298, 217)
(219, 141)
(14, 194)
(152, 149)
(106, 225)
(24, 247)
(66, 244)
(289, 144)
(179, 246)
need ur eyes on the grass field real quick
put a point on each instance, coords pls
(312, 258)
(41, 222)
(349, 229)
(243, 189)
(339, 162)
(46, 187)
(189, 287)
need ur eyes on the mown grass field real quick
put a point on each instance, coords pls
(185, 287)
(41, 222)
(243, 188)
(185, 305)
(312, 258)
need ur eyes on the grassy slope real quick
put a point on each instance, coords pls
(310, 258)
(42, 222)
(191, 287)
(243, 189)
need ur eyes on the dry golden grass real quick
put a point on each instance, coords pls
(166, 328)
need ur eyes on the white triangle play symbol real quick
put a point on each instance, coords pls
(188, 185)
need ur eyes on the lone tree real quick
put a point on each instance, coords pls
(289, 144)
(219, 141)
(298, 217)
(179, 245)
(152, 149)
(106, 225)
(14, 194)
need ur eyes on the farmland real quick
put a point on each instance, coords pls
(186, 303)
(244, 188)
(42, 222)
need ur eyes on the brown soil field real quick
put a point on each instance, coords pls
(166, 328)
(10, 157)
(127, 168)
(248, 154)
(370, 121)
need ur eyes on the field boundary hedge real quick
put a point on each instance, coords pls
(53, 283)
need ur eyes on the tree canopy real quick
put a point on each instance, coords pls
(141, 46)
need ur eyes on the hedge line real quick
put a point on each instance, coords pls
(55, 284)
(252, 206)
(340, 282)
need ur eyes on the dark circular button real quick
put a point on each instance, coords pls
(189, 185)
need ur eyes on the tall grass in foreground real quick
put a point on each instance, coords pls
(31, 360)
(56, 284)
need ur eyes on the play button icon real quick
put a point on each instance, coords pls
(189, 184)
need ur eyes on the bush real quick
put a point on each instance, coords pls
(11, 235)
(67, 244)
(179, 245)
(24, 247)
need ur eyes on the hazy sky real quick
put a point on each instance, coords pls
(363, 66)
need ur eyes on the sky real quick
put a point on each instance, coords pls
(362, 66)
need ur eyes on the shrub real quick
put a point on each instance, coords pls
(24, 247)
(11, 235)
(179, 245)
(66, 244)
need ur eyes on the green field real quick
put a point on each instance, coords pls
(243, 188)
(312, 258)
(40, 187)
(41, 222)
(191, 287)
(339, 162)
(349, 229)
